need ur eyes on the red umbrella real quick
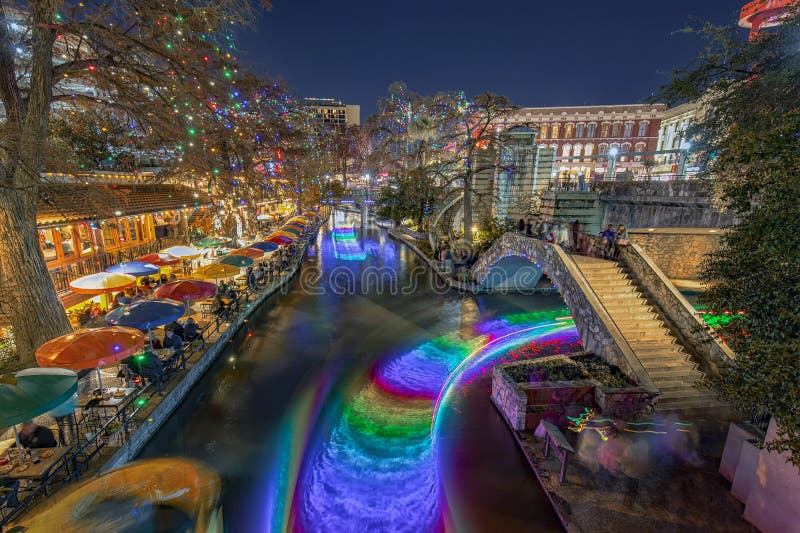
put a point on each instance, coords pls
(279, 239)
(159, 259)
(185, 290)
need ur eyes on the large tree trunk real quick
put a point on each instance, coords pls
(29, 297)
(468, 207)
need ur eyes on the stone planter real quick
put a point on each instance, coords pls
(626, 403)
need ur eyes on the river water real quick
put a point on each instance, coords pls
(359, 400)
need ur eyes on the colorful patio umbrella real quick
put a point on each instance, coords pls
(296, 225)
(292, 229)
(286, 234)
(159, 259)
(183, 252)
(239, 261)
(185, 290)
(90, 348)
(279, 239)
(146, 314)
(102, 283)
(134, 268)
(264, 246)
(252, 253)
(211, 242)
(215, 271)
(26, 394)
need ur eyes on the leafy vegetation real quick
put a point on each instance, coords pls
(749, 141)
(590, 367)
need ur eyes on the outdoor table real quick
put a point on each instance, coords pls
(110, 403)
(41, 469)
(207, 307)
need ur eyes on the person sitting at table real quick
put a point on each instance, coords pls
(176, 327)
(171, 340)
(163, 279)
(155, 344)
(191, 331)
(35, 436)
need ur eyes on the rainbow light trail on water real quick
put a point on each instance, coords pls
(377, 470)
(346, 246)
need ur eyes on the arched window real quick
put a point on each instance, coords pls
(566, 150)
(616, 130)
(588, 150)
(577, 150)
(543, 131)
(602, 149)
(580, 130)
(628, 131)
(569, 131)
(643, 128)
(590, 130)
(554, 131)
(625, 149)
(640, 147)
(605, 130)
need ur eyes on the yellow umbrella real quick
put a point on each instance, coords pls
(102, 282)
(215, 271)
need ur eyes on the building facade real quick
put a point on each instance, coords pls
(673, 135)
(585, 137)
(334, 113)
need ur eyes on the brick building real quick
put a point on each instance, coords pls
(580, 135)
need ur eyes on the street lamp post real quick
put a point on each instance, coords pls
(612, 164)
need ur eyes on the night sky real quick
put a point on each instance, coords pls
(538, 53)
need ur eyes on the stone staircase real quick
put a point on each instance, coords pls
(666, 362)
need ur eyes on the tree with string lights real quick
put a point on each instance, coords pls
(154, 66)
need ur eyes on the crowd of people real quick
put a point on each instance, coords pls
(572, 237)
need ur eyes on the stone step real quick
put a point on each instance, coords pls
(603, 275)
(674, 387)
(684, 372)
(615, 285)
(686, 394)
(654, 356)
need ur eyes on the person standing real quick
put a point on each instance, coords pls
(576, 230)
(609, 238)
(621, 240)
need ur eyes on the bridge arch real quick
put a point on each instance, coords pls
(514, 271)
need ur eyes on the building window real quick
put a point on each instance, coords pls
(642, 129)
(628, 129)
(569, 131)
(565, 150)
(48, 244)
(554, 131)
(543, 131)
(122, 232)
(605, 130)
(588, 150)
(640, 147)
(85, 238)
(603, 148)
(133, 230)
(616, 130)
(577, 149)
(590, 130)
(580, 130)
(67, 242)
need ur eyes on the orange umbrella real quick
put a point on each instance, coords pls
(90, 348)
(252, 253)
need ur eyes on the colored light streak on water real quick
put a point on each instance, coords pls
(377, 471)
(345, 245)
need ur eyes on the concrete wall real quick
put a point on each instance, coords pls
(660, 204)
(678, 253)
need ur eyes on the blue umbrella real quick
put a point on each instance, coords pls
(146, 314)
(134, 268)
(264, 246)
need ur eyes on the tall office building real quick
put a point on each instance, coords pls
(332, 112)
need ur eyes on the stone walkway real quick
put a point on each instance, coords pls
(683, 499)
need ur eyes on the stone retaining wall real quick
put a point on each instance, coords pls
(677, 254)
